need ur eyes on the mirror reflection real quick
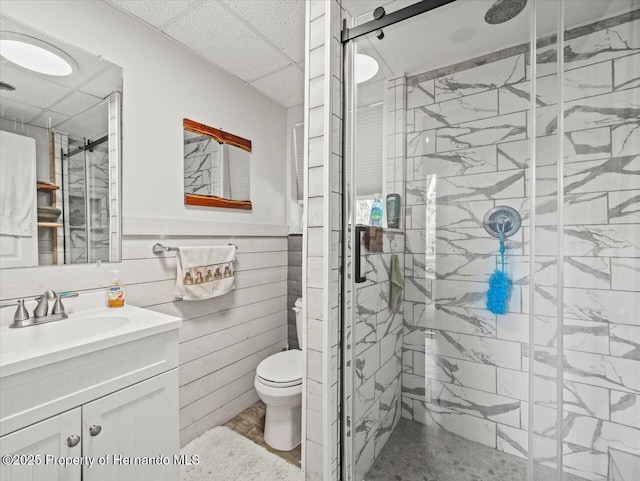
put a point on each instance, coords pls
(59, 153)
(216, 167)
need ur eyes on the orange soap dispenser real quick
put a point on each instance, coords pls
(115, 294)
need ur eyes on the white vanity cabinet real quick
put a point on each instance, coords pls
(111, 400)
(122, 428)
(29, 446)
(139, 421)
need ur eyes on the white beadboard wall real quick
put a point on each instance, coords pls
(222, 340)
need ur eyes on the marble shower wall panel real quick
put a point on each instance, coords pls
(378, 341)
(465, 369)
(100, 203)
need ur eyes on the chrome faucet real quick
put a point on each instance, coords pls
(41, 313)
(42, 309)
(21, 316)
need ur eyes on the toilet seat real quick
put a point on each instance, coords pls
(281, 370)
(281, 385)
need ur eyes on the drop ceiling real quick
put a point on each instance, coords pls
(259, 42)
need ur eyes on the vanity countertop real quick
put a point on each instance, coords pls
(87, 329)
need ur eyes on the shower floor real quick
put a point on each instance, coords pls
(415, 452)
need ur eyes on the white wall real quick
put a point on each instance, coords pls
(222, 340)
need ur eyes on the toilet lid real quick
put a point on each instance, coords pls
(283, 368)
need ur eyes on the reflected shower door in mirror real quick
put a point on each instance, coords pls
(60, 154)
(216, 167)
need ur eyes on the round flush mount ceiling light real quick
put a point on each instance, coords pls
(366, 68)
(36, 55)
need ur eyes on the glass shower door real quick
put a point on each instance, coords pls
(439, 385)
(86, 198)
(484, 123)
(485, 126)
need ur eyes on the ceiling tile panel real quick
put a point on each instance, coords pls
(103, 84)
(49, 118)
(214, 32)
(76, 103)
(285, 86)
(91, 124)
(31, 89)
(88, 66)
(280, 21)
(17, 112)
(154, 12)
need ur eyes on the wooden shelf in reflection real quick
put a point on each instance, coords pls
(49, 224)
(47, 186)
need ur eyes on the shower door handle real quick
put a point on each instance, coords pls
(359, 231)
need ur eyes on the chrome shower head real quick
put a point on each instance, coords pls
(503, 11)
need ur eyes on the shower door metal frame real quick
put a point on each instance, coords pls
(423, 6)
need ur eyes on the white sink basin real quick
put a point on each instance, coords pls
(73, 329)
(84, 331)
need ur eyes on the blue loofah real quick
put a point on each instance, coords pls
(499, 284)
(498, 294)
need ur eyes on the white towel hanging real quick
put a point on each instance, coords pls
(17, 183)
(204, 272)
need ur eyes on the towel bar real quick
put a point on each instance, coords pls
(159, 248)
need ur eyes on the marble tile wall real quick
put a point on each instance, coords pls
(376, 337)
(87, 239)
(201, 166)
(468, 134)
(294, 286)
(377, 340)
(395, 102)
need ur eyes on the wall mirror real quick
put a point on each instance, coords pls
(60, 152)
(216, 167)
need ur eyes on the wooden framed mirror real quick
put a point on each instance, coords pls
(217, 167)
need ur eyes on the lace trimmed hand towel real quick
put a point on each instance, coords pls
(204, 272)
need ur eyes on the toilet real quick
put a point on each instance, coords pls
(279, 385)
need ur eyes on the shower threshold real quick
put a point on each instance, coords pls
(415, 452)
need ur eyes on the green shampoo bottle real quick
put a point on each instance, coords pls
(393, 211)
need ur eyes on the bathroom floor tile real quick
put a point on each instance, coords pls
(415, 452)
(250, 424)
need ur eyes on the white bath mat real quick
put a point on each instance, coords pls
(227, 456)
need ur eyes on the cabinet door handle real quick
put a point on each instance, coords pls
(73, 440)
(94, 429)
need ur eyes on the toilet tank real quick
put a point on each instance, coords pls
(297, 308)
